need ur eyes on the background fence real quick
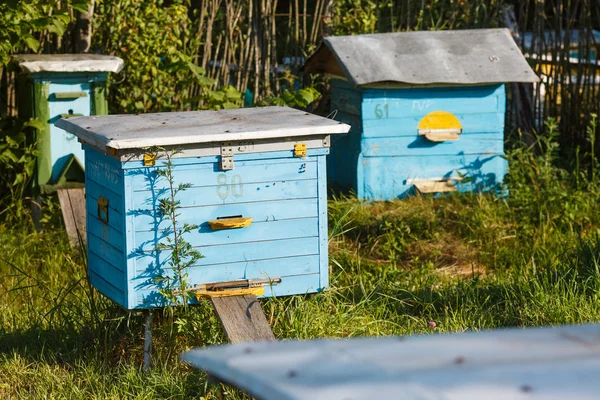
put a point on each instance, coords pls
(178, 53)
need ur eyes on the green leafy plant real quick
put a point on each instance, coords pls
(182, 255)
(157, 42)
(17, 162)
(591, 137)
(292, 95)
(24, 22)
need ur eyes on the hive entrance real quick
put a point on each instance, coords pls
(440, 126)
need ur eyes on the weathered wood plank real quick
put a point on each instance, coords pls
(72, 203)
(242, 319)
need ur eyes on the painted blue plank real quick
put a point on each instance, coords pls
(259, 231)
(130, 242)
(399, 103)
(360, 177)
(346, 101)
(104, 231)
(323, 234)
(293, 285)
(115, 209)
(343, 160)
(259, 211)
(106, 271)
(104, 171)
(421, 146)
(489, 123)
(107, 289)
(245, 172)
(268, 268)
(62, 143)
(290, 285)
(105, 251)
(233, 253)
(228, 194)
(269, 155)
(385, 177)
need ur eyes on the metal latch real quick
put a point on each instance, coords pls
(226, 163)
(300, 150)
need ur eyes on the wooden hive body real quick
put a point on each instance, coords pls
(51, 87)
(283, 193)
(427, 109)
(384, 156)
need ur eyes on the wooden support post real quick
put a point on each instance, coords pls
(242, 318)
(147, 340)
(72, 203)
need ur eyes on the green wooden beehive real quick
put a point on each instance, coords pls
(50, 87)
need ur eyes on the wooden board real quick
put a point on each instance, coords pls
(72, 203)
(549, 363)
(242, 319)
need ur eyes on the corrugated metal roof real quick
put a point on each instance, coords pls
(68, 63)
(195, 127)
(535, 363)
(474, 56)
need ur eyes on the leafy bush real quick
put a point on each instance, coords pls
(17, 163)
(23, 21)
(158, 44)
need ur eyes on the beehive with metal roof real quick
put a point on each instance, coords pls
(54, 86)
(427, 109)
(256, 195)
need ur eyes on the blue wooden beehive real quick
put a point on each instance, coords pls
(264, 164)
(54, 86)
(427, 109)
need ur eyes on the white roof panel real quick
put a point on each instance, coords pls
(509, 364)
(195, 127)
(33, 63)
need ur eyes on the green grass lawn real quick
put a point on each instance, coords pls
(465, 262)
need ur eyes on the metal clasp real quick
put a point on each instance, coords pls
(149, 159)
(226, 163)
(300, 150)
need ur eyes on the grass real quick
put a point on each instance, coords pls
(465, 262)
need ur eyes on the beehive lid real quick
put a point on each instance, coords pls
(33, 63)
(535, 363)
(468, 57)
(121, 132)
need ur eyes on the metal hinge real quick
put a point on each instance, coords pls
(226, 163)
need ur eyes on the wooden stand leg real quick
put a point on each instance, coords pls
(242, 319)
(72, 204)
(147, 340)
(36, 211)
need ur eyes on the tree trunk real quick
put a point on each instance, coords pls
(83, 30)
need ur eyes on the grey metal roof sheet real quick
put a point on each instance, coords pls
(33, 63)
(474, 56)
(508, 364)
